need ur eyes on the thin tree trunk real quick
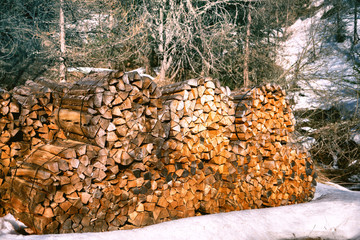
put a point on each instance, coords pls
(356, 36)
(247, 48)
(111, 20)
(287, 16)
(340, 37)
(162, 47)
(62, 70)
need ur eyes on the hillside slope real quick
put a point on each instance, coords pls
(324, 84)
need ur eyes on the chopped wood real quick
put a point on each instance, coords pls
(114, 151)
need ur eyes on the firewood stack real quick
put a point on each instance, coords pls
(113, 111)
(47, 189)
(236, 150)
(273, 170)
(97, 133)
(114, 151)
(196, 151)
(9, 128)
(37, 119)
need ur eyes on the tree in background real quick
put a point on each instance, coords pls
(355, 12)
(246, 47)
(340, 25)
(62, 70)
(179, 37)
(25, 39)
(182, 38)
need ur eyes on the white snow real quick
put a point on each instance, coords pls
(333, 214)
(306, 142)
(9, 225)
(355, 136)
(88, 27)
(141, 72)
(307, 129)
(88, 70)
(322, 68)
(317, 3)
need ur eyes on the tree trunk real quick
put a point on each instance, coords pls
(340, 36)
(111, 19)
(247, 50)
(162, 47)
(62, 70)
(356, 36)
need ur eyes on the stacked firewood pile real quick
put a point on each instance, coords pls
(114, 151)
(78, 141)
(9, 128)
(235, 146)
(273, 170)
(196, 151)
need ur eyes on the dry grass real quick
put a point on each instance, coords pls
(337, 156)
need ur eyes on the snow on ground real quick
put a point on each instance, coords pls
(322, 68)
(87, 70)
(141, 72)
(333, 214)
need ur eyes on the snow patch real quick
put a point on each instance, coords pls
(9, 225)
(87, 70)
(306, 142)
(322, 68)
(307, 129)
(355, 136)
(349, 108)
(317, 3)
(141, 72)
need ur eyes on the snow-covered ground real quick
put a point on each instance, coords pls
(333, 214)
(323, 73)
(87, 70)
(322, 68)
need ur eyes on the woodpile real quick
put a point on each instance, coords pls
(9, 129)
(114, 151)
(273, 170)
(196, 151)
(82, 139)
